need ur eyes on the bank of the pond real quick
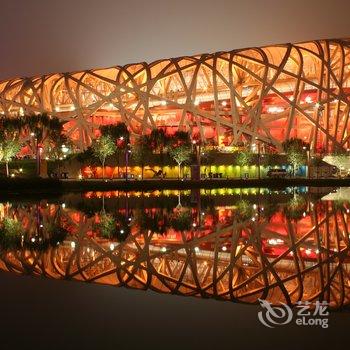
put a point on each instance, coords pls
(51, 186)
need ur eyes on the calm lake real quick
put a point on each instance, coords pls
(236, 245)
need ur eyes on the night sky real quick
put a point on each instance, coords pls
(42, 36)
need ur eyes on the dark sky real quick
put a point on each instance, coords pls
(41, 36)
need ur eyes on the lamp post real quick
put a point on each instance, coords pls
(307, 149)
(197, 148)
(127, 152)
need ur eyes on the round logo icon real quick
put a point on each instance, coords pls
(273, 316)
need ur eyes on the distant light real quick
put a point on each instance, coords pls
(275, 109)
(121, 138)
(20, 170)
(254, 206)
(80, 176)
(194, 224)
(224, 103)
(253, 219)
(111, 246)
(308, 99)
(33, 239)
(12, 175)
(163, 103)
(63, 205)
(163, 249)
(308, 251)
(196, 249)
(72, 244)
(304, 214)
(224, 249)
(32, 134)
(121, 231)
(41, 225)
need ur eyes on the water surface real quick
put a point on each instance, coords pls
(230, 244)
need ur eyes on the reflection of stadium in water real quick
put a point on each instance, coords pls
(283, 247)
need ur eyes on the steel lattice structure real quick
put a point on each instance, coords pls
(267, 94)
(311, 264)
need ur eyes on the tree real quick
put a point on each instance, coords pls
(181, 154)
(243, 158)
(141, 152)
(103, 148)
(316, 162)
(117, 132)
(295, 150)
(45, 131)
(339, 158)
(8, 150)
(158, 141)
(120, 134)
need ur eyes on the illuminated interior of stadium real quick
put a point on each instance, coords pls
(264, 95)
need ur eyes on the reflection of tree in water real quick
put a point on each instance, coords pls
(114, 225)
(342, 206)
(10, 233)
(244, 210)
(106, 225)
(14, 236)
(181, 220)
(269, 209)
(156, 221)
(295, 207)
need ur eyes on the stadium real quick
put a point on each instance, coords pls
(256, 95)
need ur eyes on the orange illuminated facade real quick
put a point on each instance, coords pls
(264, 95)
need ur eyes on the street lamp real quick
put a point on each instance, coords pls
(307, 149)
(197, 148)
(127, 153)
